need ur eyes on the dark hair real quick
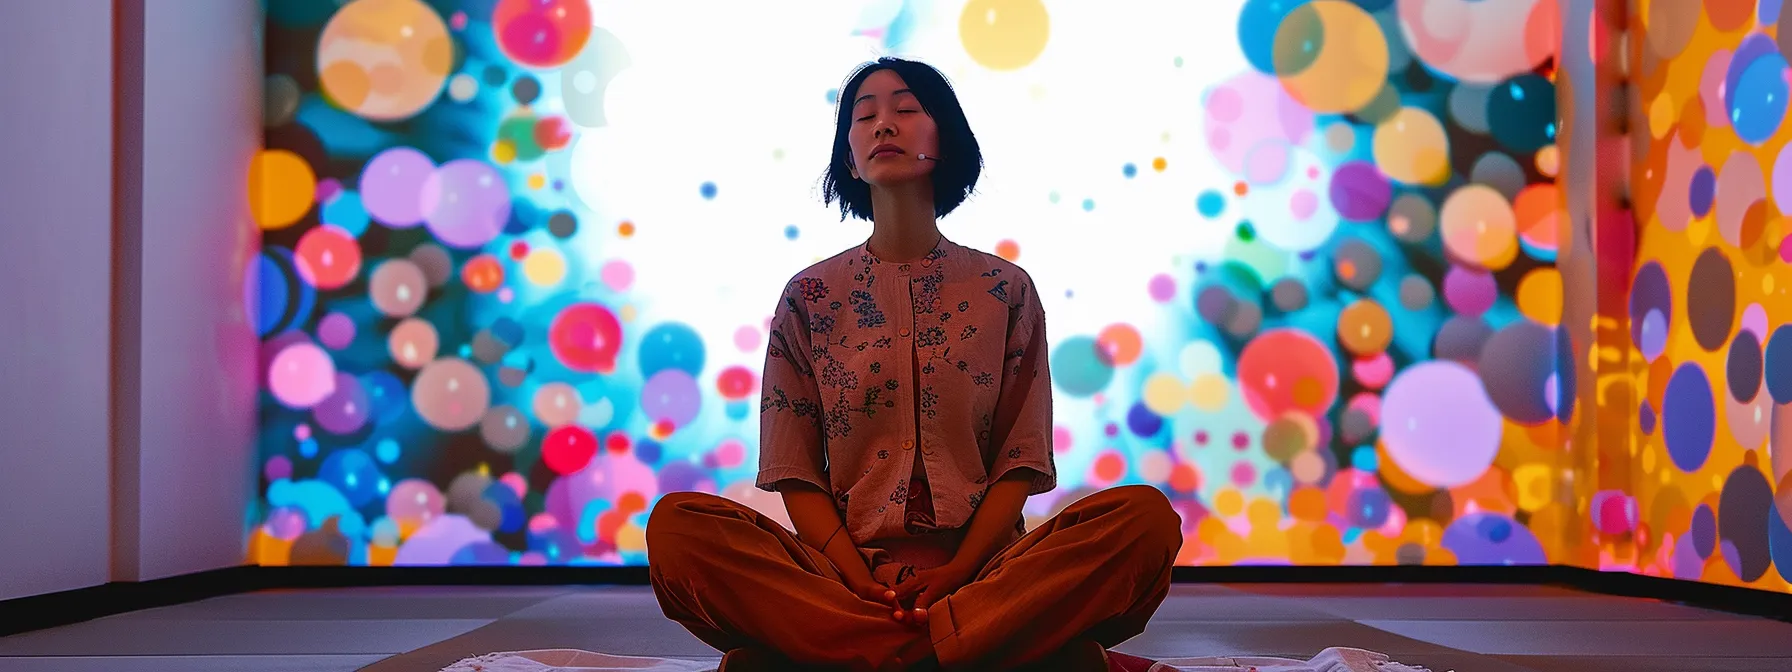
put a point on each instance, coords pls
(961, 161)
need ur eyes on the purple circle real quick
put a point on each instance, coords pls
(1143, 422)
(1650, 292)
(1470, 292)
(683, 476)
(1492, 539)
(1162, 288)
(1703, 191)
(1645, 418)
(1360, 192)
(481, 553)
(1703, 531)
(671, 394)
(1781, 182)
(335, 331)
(327, 189)
(1689, 417)
(1743, 512)
(466, 203)
(345, 410)
(1744, 368)
(1652, 335)
(392, 184)
(278, 467)
(286, 523)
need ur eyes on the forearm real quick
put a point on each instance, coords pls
(994, 520)
(818, 525)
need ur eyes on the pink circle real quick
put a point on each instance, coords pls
(747, 339)
(1754, 321)
(301, 432)
(515, 482)
(730, 453)
(1241, 440)
(302, 375)
(1061, 439)
(1374, 372)
(1786, 250)
(327, 189)
(1711, 88)
(1225, 104)
(1368, 404)
(1267, 163)
(1469, 292)
(1303, 204)
(336, 331)
(1162, 288)
(278, 467)
(619, 275)
(1243, 474)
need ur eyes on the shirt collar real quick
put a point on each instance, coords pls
(941, 250)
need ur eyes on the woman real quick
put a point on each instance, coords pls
(905, 419)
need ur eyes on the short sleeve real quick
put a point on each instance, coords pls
(1021, 432)
(790, 411)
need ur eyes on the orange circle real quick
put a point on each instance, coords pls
(1121, 343)
(1535, 208)
(1240, 189)
(1184, 478)
(1009, 250)
(482, 274)
(1365, 328)
(631, 502)
(1307, 503)
(1159, 164)
(626, 229)
(282, 188)
(1110, 466)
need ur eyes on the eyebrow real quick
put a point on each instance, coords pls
(893, 94)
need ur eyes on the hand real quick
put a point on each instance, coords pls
(929, 585)
(871, 591)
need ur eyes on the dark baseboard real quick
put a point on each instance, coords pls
(73, 606)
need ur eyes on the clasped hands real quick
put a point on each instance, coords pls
(909, 600)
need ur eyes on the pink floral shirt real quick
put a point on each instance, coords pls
(905, 390)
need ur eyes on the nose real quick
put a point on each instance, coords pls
(883, 129)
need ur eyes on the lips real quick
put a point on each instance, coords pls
(884, 149)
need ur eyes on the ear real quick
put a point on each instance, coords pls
(853, 170)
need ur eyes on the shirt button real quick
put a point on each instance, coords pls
(927, 262)
(905, 267)
(907, 444)
(903, 332)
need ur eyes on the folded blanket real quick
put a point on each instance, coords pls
(573, 660)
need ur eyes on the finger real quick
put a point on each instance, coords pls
(900, 615)
(889, 596)
(920, 617)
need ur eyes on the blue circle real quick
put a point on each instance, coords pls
(347, 212)
(508, 331)
(672, 345)
(1521, 113)
(1363, 459)
(509, 503)
(481, 553)
(1645, 418)
(1078, 368)
(648, 451)
(1143, 422)
(386, 395)
(1492, 539)
(1088, 204)
(1210, 204)
(308, 448)
(1778, 364)
(386, 450)
(1689, 417)
(791, 232)
(1368, 508)
(1768, 12)
(833, 96)
(1703, 191)
(352, 473)
(1258, 23)
(708, 190)
(738, 410)
(1129, 170)
(1703, 531)
(1755, 89)
(1779, 544)
(1744, 367)
(270, 297)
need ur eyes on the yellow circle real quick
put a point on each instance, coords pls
(281, 188)
(1766, 284)
(1661, 115)
(1228, 503)
(544, 266)
(1411, 147)
(1004, 34)
(1165, 394)
(384, 60)
(1349, 69)
(537, 181)
(1211, 392)
(1533, 483)
(631, 538)
(503, 152)
(1479, 228)
(1548, 161)
(1540, 296)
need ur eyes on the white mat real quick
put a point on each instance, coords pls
(573, 660)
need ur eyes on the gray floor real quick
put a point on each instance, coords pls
(1468, 628)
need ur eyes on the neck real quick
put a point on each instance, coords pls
(902, 224)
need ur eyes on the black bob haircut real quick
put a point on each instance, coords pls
(960, 161)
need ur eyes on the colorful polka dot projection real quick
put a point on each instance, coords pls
(1706, 383)
(519, 259)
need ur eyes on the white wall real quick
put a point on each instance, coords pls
(55, 293)
(195, 420)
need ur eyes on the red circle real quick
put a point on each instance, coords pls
(586, 337)
(568, 449)
(518, 250)
(328, 257)
(1284, 370)
(617, 442)
(736, 382)
(553, 133)
(1110, 466)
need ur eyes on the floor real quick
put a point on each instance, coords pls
(1467, 628)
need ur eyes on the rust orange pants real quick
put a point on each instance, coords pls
(736, 578)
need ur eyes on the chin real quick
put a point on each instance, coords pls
(890, 176)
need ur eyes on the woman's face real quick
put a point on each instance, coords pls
(890, 131)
